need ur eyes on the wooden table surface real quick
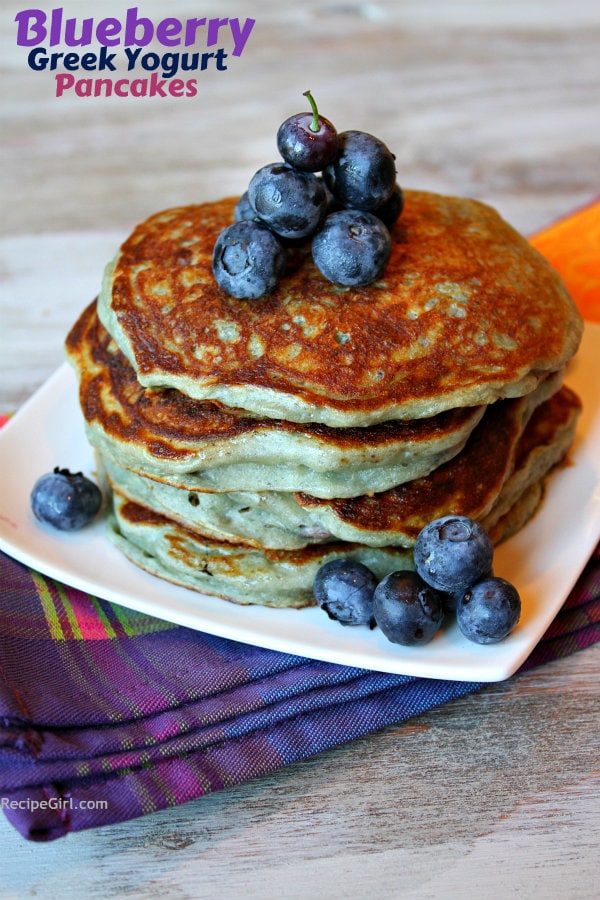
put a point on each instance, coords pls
(497, 794)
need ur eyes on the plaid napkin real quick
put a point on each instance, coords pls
(107, 714)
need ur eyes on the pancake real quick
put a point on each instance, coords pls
(198, 445)
(274, 578)
(466, 313)
(244, 575)
(245, 443)
(470, 484)
(512, 450)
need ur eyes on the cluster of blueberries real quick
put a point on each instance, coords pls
(453, 559)
(345, 212)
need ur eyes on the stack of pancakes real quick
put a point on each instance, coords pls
(248, 442)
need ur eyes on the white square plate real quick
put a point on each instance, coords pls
(543, 560)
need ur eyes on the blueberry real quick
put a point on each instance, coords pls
(344, 589)
(452, 553)
(307, 140)
(65, 500)
(247, 260)
(407, 610)
(243, 210)
(489, 610)
(363, 175)
(352, 248)
(390, 211)
(292, 203)
(333, 204)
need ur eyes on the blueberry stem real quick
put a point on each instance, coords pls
(314, 125)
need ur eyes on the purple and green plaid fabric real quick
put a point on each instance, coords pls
(107, 714)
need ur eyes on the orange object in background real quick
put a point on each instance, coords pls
(572, 246)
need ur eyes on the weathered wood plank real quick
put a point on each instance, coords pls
(496, 794)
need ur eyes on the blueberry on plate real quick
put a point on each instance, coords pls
(292, 203)
(363, 174)
(344, 589)
(452, 553)
(352, 248)
(489, 610)
(248, 259)
(407, 609)
(65, 500)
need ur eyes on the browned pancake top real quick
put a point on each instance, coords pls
(464, 302)
(170, 424)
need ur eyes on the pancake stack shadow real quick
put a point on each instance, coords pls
(248, 442)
